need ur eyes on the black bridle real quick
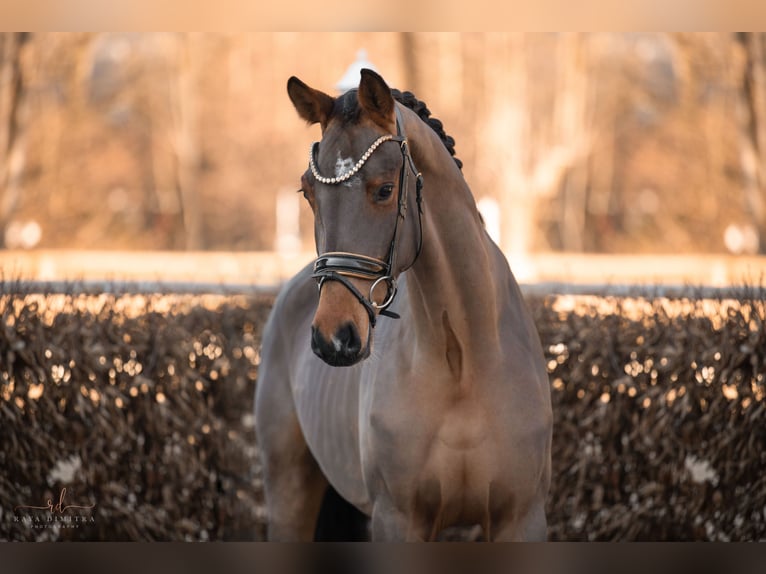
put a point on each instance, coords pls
(340, 266)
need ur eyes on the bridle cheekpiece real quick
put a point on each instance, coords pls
(340, 266)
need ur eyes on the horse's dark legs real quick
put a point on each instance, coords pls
(340, 521)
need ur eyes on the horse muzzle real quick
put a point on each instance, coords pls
(344, 347)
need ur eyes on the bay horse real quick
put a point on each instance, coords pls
(402, 368)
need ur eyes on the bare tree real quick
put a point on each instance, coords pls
(410, 61)
(573, 140)
(537, 149)
(12, 125)
(185, 139)
(753, 129)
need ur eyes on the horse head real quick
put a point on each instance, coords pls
(357, 186)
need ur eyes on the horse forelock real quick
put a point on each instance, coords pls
(347, 108)
(348, 112)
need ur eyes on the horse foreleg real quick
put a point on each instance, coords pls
(293, 483)
(389, 524)
(294, 490)
(532, 527)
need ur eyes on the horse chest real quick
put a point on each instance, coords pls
(458, 424)
(419, 440)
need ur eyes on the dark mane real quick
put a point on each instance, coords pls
(347, 108)
(408, 99)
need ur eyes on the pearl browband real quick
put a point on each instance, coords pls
(350, 173)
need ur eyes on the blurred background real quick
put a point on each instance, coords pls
(605, 159)
(576, 143)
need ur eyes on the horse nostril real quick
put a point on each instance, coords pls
(343, 349)
(347, 338)
(318, 342)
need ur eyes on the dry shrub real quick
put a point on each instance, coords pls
(659, 418)
(138, 405)
(142, 406)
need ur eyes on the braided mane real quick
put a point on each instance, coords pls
(347, 107)
(408, 99)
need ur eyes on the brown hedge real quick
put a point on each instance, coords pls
(142, 407)
(659, 418)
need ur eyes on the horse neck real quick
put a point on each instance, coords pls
(457, 285)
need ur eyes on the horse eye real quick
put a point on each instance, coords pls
(384, 192)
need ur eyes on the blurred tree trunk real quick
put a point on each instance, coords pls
(12, 124)
(503, 120)
(529, 164)
(571, 128)
(185, 139)
(753, 129)
(410, 62)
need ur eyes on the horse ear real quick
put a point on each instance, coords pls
(376, 99)
(312, 105)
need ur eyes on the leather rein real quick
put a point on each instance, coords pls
(340, 266)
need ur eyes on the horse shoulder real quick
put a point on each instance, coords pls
(274, 405)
